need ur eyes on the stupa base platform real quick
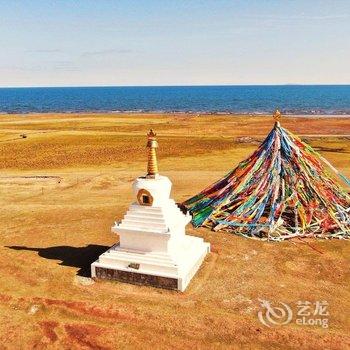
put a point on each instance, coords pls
(156, 269)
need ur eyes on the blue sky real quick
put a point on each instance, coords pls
(149, 42)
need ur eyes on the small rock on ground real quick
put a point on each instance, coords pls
(84, 281)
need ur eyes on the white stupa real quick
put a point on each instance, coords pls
(153, 248)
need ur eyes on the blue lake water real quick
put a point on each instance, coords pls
(292, 99)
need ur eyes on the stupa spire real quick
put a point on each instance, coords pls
(152, 165)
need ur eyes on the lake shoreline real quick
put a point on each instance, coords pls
(166, 113)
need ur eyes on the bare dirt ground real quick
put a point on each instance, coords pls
(65, 183)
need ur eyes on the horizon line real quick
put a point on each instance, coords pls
(170, 85)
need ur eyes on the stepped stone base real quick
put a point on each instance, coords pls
(152, 269)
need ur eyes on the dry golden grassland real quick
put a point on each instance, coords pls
(65, 183)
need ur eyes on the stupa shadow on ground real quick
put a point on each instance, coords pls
(80, 257)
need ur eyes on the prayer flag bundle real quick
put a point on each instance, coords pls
(283, 190)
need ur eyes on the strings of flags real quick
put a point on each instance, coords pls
(283, 190)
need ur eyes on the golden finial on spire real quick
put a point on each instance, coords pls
(152, 165)
(277, 115)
